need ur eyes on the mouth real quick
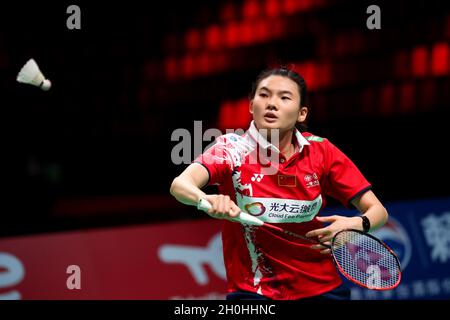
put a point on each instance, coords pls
(270, 117)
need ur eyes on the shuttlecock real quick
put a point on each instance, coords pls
(30, 74)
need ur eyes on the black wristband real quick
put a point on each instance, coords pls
(365, 223)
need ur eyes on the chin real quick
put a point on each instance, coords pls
(267, 125)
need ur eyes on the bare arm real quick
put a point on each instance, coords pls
(369, 205)
(186, 188)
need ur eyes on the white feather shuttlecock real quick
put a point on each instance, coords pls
(31, 74)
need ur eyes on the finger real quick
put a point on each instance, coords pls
(222, 205)
(326, 239)
(318, 232)
(216, 208)
(326, 251)
(318, 247)
(327, 219)
(218, 205)
(215, 204)
(210, 199)
(235, 210)
(227, 205)
(326, 244)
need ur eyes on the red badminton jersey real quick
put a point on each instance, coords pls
(273, 264)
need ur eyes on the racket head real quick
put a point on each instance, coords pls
(366, 260)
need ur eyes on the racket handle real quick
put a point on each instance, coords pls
(243, 217)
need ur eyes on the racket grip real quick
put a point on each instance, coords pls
(243, 217)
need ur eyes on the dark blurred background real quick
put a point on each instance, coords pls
(95, 150)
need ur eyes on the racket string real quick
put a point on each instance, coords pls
(365, 260)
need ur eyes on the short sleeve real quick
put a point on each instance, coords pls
(344, 181)
(216, 162)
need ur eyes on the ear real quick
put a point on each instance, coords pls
(251, 107)
(303, 114)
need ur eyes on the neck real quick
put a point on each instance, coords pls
(284, 144)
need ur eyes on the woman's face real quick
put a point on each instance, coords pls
(276, 104)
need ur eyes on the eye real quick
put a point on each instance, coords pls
(285, 98)
(263, 95)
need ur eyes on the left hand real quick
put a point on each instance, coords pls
(337, 223)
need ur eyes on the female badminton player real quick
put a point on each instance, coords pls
(261, 263)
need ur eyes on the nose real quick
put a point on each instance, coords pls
(271, 105)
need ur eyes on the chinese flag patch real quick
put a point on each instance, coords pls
(287, 180)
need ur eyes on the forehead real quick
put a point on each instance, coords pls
(279, 83)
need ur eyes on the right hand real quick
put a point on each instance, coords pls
(222, 206)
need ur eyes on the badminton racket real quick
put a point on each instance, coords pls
(360, 257)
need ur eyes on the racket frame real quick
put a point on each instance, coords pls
(341, 270)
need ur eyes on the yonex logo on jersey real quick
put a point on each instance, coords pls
(257, 177)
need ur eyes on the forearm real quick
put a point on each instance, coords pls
(185, 191)
(377, 216)
(369, 206)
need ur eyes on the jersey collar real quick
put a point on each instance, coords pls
(257, 137)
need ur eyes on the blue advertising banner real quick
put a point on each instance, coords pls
(419, 233)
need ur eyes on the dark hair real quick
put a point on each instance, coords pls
(294, 76)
